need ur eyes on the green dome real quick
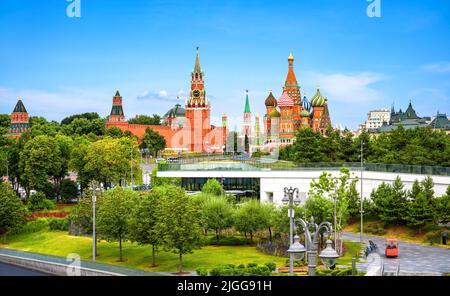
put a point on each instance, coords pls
(275, 113)
(318, 100)
(304, 113)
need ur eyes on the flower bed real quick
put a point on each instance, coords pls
(49, 214)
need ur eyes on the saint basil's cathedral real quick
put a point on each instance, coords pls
(291, 112)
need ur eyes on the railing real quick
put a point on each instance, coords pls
(242, 163)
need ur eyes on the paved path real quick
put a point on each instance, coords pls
(87, 264)
(412, 257)
(11, 270)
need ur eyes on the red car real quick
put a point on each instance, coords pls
(391, 248)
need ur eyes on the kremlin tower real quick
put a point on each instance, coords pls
(20, 121)
(117, 114)
(184, 129)
(198, 110)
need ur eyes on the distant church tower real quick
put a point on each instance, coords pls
(116, 114)
(20, 121)
(198, 111)
(247, 126)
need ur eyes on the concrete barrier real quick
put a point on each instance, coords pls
(52, 268)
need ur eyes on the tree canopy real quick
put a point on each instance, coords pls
(420, 146)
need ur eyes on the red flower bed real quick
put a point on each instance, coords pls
(49, 214)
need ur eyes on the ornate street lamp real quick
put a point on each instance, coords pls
(289, 199)
(296, 252)
(329, 255)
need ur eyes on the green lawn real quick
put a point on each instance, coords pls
(353, 250)
(60, 244)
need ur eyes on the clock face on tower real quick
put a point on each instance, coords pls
(196, 93)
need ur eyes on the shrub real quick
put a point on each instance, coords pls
(38, 202)
(229, 241)
(31, 227)
(58, 224)
(240, 270)
(376, 228)
(435, 237)
(201, 271)
(271, 265)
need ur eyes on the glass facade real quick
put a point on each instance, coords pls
(250, 186)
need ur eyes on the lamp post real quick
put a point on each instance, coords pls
(290, 200)
(94, 237)
(328, 255)
(361, 196)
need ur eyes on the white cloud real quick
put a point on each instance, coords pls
(438, 67)
(161, 95)
(348, 88)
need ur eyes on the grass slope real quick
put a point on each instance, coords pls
(58, 243)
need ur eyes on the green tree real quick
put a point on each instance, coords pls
(12, 211)
(441, 207)
(143, 224)
(109, 160)
(39, 160)
(78, 160)
(217, 213)
(5, 120)
(308, 147)
(153, 141)
(68, 189)
(114, 215)
(341, 189)
(390, 202)
(147, 120)
(180, 222)
(250, 217)
(114, 132)
(88, 116)
(83, 126)
(420, 206)
(212, 186)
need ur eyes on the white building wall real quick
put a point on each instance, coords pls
(273, 182)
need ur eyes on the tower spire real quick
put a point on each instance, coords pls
(247, 103)
(291, 80)
(197, 68)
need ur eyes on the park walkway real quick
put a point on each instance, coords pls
(413, 258)
(85, 264)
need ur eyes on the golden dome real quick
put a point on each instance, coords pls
(290, 57)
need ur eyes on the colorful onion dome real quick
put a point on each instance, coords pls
(275, 113)
(306, 104)
(285, 101)
(318, 100)
(304, 113)
(271, 101)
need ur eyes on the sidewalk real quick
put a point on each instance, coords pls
(413, 258)
(86, 264)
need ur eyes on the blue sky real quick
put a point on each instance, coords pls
(146, 49)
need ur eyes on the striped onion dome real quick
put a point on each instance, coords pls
(285, 101)
(318, 100)
(306, 104)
